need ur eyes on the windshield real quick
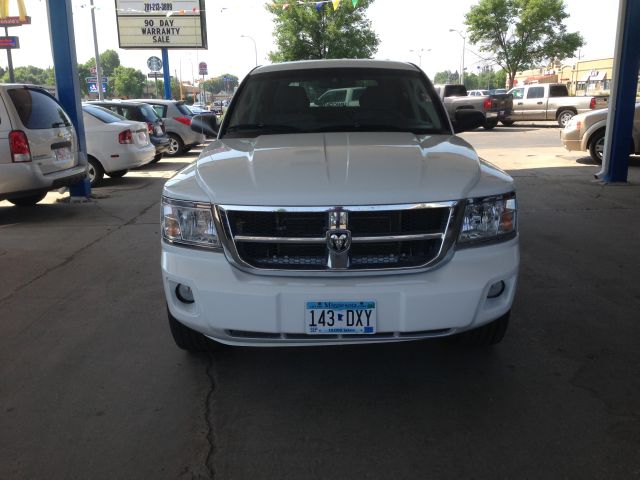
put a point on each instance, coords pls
(102, 114)
(338, 100)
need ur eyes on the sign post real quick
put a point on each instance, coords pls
(6, 22)
(202, 70)
(155, 65)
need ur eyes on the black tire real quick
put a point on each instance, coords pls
(564, 116)
(188, 339)
(507, 123)
(95, 172)
(596, 146)
(490, 124)
(157, 158)
(176, 146)
(117, 173)
(486, 335)
(29, 201)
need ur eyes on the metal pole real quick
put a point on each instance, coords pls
(464, 46)
(167, 74)
(12, 78)
(255, 48)
(97, 51)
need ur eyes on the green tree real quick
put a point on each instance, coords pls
(216, 85)
(175, 88)
(446, 77)
(28, 74)
(305, 32)
(522, 33)
(128, 82)
(109, 61)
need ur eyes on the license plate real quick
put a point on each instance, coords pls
(63, 155)
(501, 113)
(340, 317)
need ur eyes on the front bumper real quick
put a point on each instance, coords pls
(571, 139)
(239, 308)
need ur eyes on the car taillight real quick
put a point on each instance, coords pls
(592, 103)
(126, 136)
(487, 103)
(19, 146)
(150, 128)
(184, 120)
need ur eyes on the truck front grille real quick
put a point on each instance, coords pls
(337, 239)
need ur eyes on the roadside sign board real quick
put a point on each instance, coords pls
(175, 24)
(14, 21)
(9, 42)
(154, 64)
(155, 75)
(93, 87)
(95, 79)
(202, 69)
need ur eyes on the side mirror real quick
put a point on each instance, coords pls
(206, 123)
(467, 119)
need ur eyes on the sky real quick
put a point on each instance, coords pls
(409, 30)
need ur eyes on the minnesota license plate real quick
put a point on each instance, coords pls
(340, 317)
(63, 155)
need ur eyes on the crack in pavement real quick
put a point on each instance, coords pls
(208, 410)
(69, 259)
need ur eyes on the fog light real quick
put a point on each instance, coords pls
(496, 289)
(184, 293)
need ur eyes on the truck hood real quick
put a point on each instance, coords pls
(337, 169)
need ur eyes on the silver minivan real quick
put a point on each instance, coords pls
(38, 145)
(177, 120)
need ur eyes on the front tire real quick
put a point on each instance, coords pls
(564, 116)
(188, 339)
(596, 146)
(176, 145)
(490, 124)
(29, 201)
(490, 334)
(95, 172)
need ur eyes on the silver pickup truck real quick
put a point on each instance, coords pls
(549, 102)
(494, 107)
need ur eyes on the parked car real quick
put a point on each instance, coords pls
(141, 112)
(114, 144)
(549, 101)
(339, 97)
(494, 107)
(585, 132)
(176, 116)
(38, 145)
(323, 225)
(196, 109)
(479, 93)
(497, 91)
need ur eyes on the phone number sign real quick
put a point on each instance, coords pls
(176, 24)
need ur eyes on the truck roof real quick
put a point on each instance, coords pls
(345, 63)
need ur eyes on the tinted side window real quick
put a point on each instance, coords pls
(160, 110)
(102, 114)
(535, 92)
(131, 113)
(37, 110)
(517, 92)
(558, 91)
(147, 114)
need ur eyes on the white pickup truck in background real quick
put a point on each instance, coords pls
(323, 223)
(549, 101)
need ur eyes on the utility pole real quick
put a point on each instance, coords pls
(12, 78)
(97, 52)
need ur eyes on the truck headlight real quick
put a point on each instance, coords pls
(189, 223)
(488, 219)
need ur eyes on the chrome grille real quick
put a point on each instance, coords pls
(350, 238)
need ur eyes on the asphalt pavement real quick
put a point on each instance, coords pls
(91, 385)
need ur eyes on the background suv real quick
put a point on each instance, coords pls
(177, 121)
(141, 112)
(38, 145)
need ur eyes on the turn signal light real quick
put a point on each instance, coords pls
(150, 128)
(184, 120)
(19, 146)
(592, 103)
(487, 103)
(125, 136)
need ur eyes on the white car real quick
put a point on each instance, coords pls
(585, 132)
(38, 145)
(114, 144)
(478, 93)
(317, 225)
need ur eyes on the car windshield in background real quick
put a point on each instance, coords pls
(38, 110)
(335, 100)
(183, 109)
(102, 114)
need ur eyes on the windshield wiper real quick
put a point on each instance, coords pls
(262, 128)
(375, 127)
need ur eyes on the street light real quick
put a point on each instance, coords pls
(419, 53)
(464, 46)
(255, 48)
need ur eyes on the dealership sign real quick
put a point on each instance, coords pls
(176, 24)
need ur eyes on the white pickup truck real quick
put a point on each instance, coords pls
(311, 224)
(549, 101)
